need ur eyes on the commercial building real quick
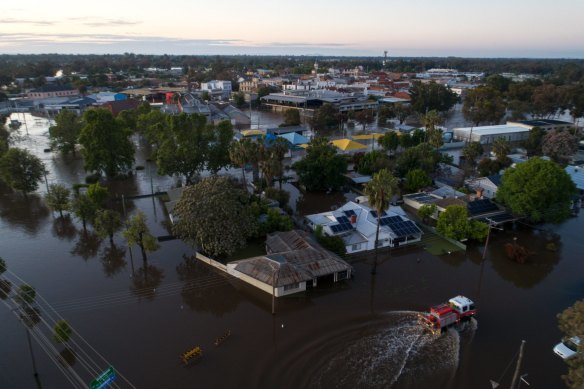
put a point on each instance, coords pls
(488, 134)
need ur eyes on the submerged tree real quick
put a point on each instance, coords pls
(215, 215)
(137, 233)
(107, 223)
(21, 170)
(571, 323)
(64, 135)
(57, 198)
(62, 332)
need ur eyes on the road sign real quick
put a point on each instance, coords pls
(104, 379)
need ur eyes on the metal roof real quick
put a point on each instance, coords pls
(577, 175)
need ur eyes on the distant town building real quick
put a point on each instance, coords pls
(544, 124)
(48, 91)
(488, 134)
(217, 88)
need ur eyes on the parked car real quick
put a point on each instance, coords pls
(568, 348)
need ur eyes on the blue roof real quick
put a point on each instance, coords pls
(294, 138)
(495, 179)
(577, 175)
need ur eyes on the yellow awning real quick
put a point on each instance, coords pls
(252, 132)
(304, 145)
(375, 135)
(348, 144)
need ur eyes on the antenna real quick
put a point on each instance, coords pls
(385, 57)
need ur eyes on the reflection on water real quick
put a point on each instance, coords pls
(67, 357)
(64, 228)
(113, 260)
(145, 281)
(23, 212)
(87, 245)
(204, 290)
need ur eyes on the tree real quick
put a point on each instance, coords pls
(384, 114)
(426, 211)
(291, 118)
(560, 145)
(107, 223)
(84, 209)
(239, 99)
(365, 117)
(4, 137)
(426, 97)
(62, 332)
(220, 139)
(537, 189)
(184, 146)
(454, 224)
(547, 100)
(417, 179)
(483, 104)
(322, 168)
(422, 156)
(571, 323)
(389, 141)
(57, 198)
(215, 216)
(372, 162)
(98, 194)
(380, 191)
(402, 112)
(501, 148)
(2, 266)
(137, 233)
(471, 151)
(241, 153)
(107, 148)
(21, 170)
(324, 119)
(488, 167)
(64, 134)
(534, 141)
(498, 82)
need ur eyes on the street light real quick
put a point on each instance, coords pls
(275, 271)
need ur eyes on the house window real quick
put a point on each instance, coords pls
(356, 247)
(295, 285)
(342, 275)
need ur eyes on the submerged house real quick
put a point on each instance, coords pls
(293, 263)
(356, 224)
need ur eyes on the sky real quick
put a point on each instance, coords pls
(465, 28)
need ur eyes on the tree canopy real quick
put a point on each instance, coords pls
(58, 198)
(571, 323)
(560, 145)
(426, 97)
(483, 104)
(537, 189)
(21, 170)
(325, 119)
(215, 215)
(64, 135)
(107, 147)
(322, 168)
(138, 233)
(454, 224)
(417, 179)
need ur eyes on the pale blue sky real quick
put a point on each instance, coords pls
(494, 28)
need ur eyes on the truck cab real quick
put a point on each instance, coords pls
(464, 306)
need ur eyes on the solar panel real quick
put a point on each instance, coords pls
(350, 213)
(374, 214)
(404, 228)
(343, 220)
(478, 207)
(390, 219)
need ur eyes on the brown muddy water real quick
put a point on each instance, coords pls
(362, 333)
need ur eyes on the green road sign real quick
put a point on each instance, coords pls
(104, 379)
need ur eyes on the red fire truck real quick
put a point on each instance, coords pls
(443, 316)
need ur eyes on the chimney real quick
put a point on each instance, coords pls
(353, 219)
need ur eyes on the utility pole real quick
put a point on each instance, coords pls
(518, 366)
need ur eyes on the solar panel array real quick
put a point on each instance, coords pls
(385, 221)
(344, 225)
(478, 207)
(404, 228)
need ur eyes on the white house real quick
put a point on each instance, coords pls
(356, 224)
(486, 185)
(217, 88)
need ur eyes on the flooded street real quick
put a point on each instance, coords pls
(140, 316)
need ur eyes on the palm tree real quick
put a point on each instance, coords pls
(501, 148)
(278, 150)
(238, 157)
(380, 190)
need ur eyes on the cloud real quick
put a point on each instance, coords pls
(304, 44)
(28, 21)
(111, 23)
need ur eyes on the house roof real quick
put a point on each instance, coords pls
(294, 138)
(495, 179)
(53, 88)
(348, 144)
(577, 175)
(293, 257)
(392, 222)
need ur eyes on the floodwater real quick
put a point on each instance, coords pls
(140, 316)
